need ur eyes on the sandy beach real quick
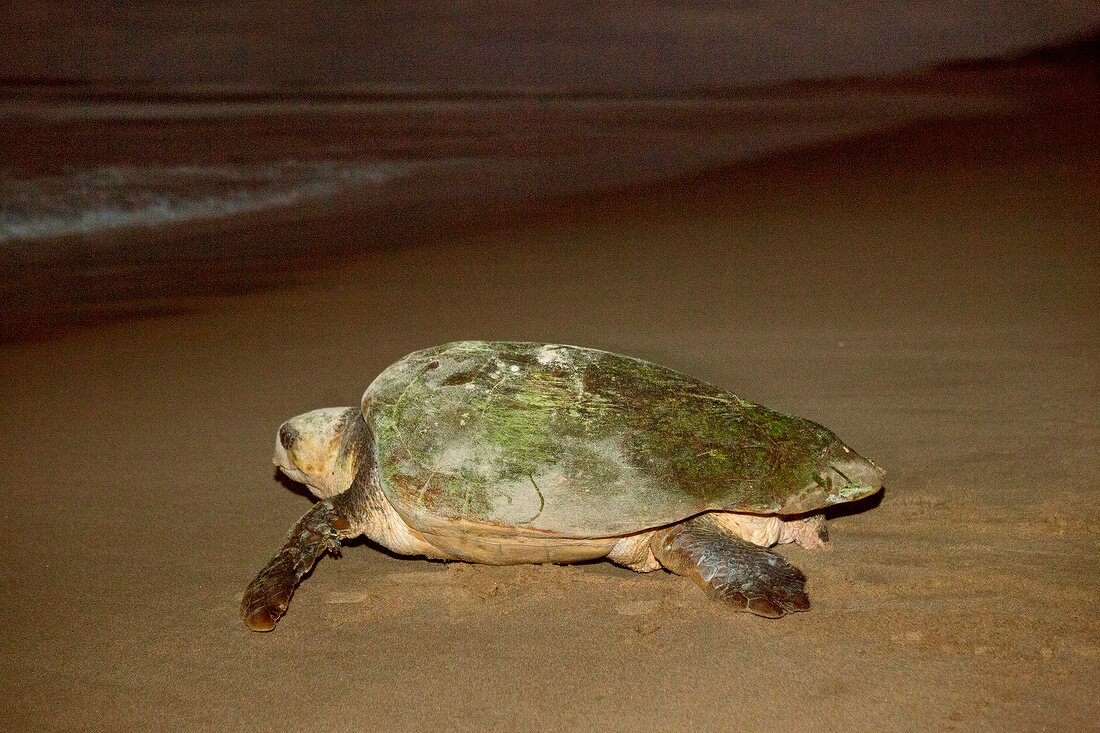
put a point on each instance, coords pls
(930, 293)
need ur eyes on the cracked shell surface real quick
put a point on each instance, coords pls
(566, 441)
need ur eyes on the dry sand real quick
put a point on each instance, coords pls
(931, 294)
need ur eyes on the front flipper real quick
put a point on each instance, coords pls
(268, 595)
(732, 569)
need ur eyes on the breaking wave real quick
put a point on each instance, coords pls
(119, 196)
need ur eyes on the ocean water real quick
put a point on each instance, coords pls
(85, 166)
(97, 193)
(118, 196)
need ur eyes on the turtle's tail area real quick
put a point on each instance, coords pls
(268, 595)
(731, 569)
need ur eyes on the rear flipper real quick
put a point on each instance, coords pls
(810, 532)
(268, 595)
(731, 569)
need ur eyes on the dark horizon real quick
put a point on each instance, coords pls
(630, 48)
(1080, 49)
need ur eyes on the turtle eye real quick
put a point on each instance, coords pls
(287, 436)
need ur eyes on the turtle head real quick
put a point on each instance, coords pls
(309, 450)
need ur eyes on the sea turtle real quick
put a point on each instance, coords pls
(513, 452)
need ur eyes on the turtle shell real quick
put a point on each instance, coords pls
(577, 442)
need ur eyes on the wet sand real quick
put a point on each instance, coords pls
(929, 293)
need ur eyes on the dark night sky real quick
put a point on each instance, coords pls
(460, 44)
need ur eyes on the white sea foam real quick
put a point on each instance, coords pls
(120, 196)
